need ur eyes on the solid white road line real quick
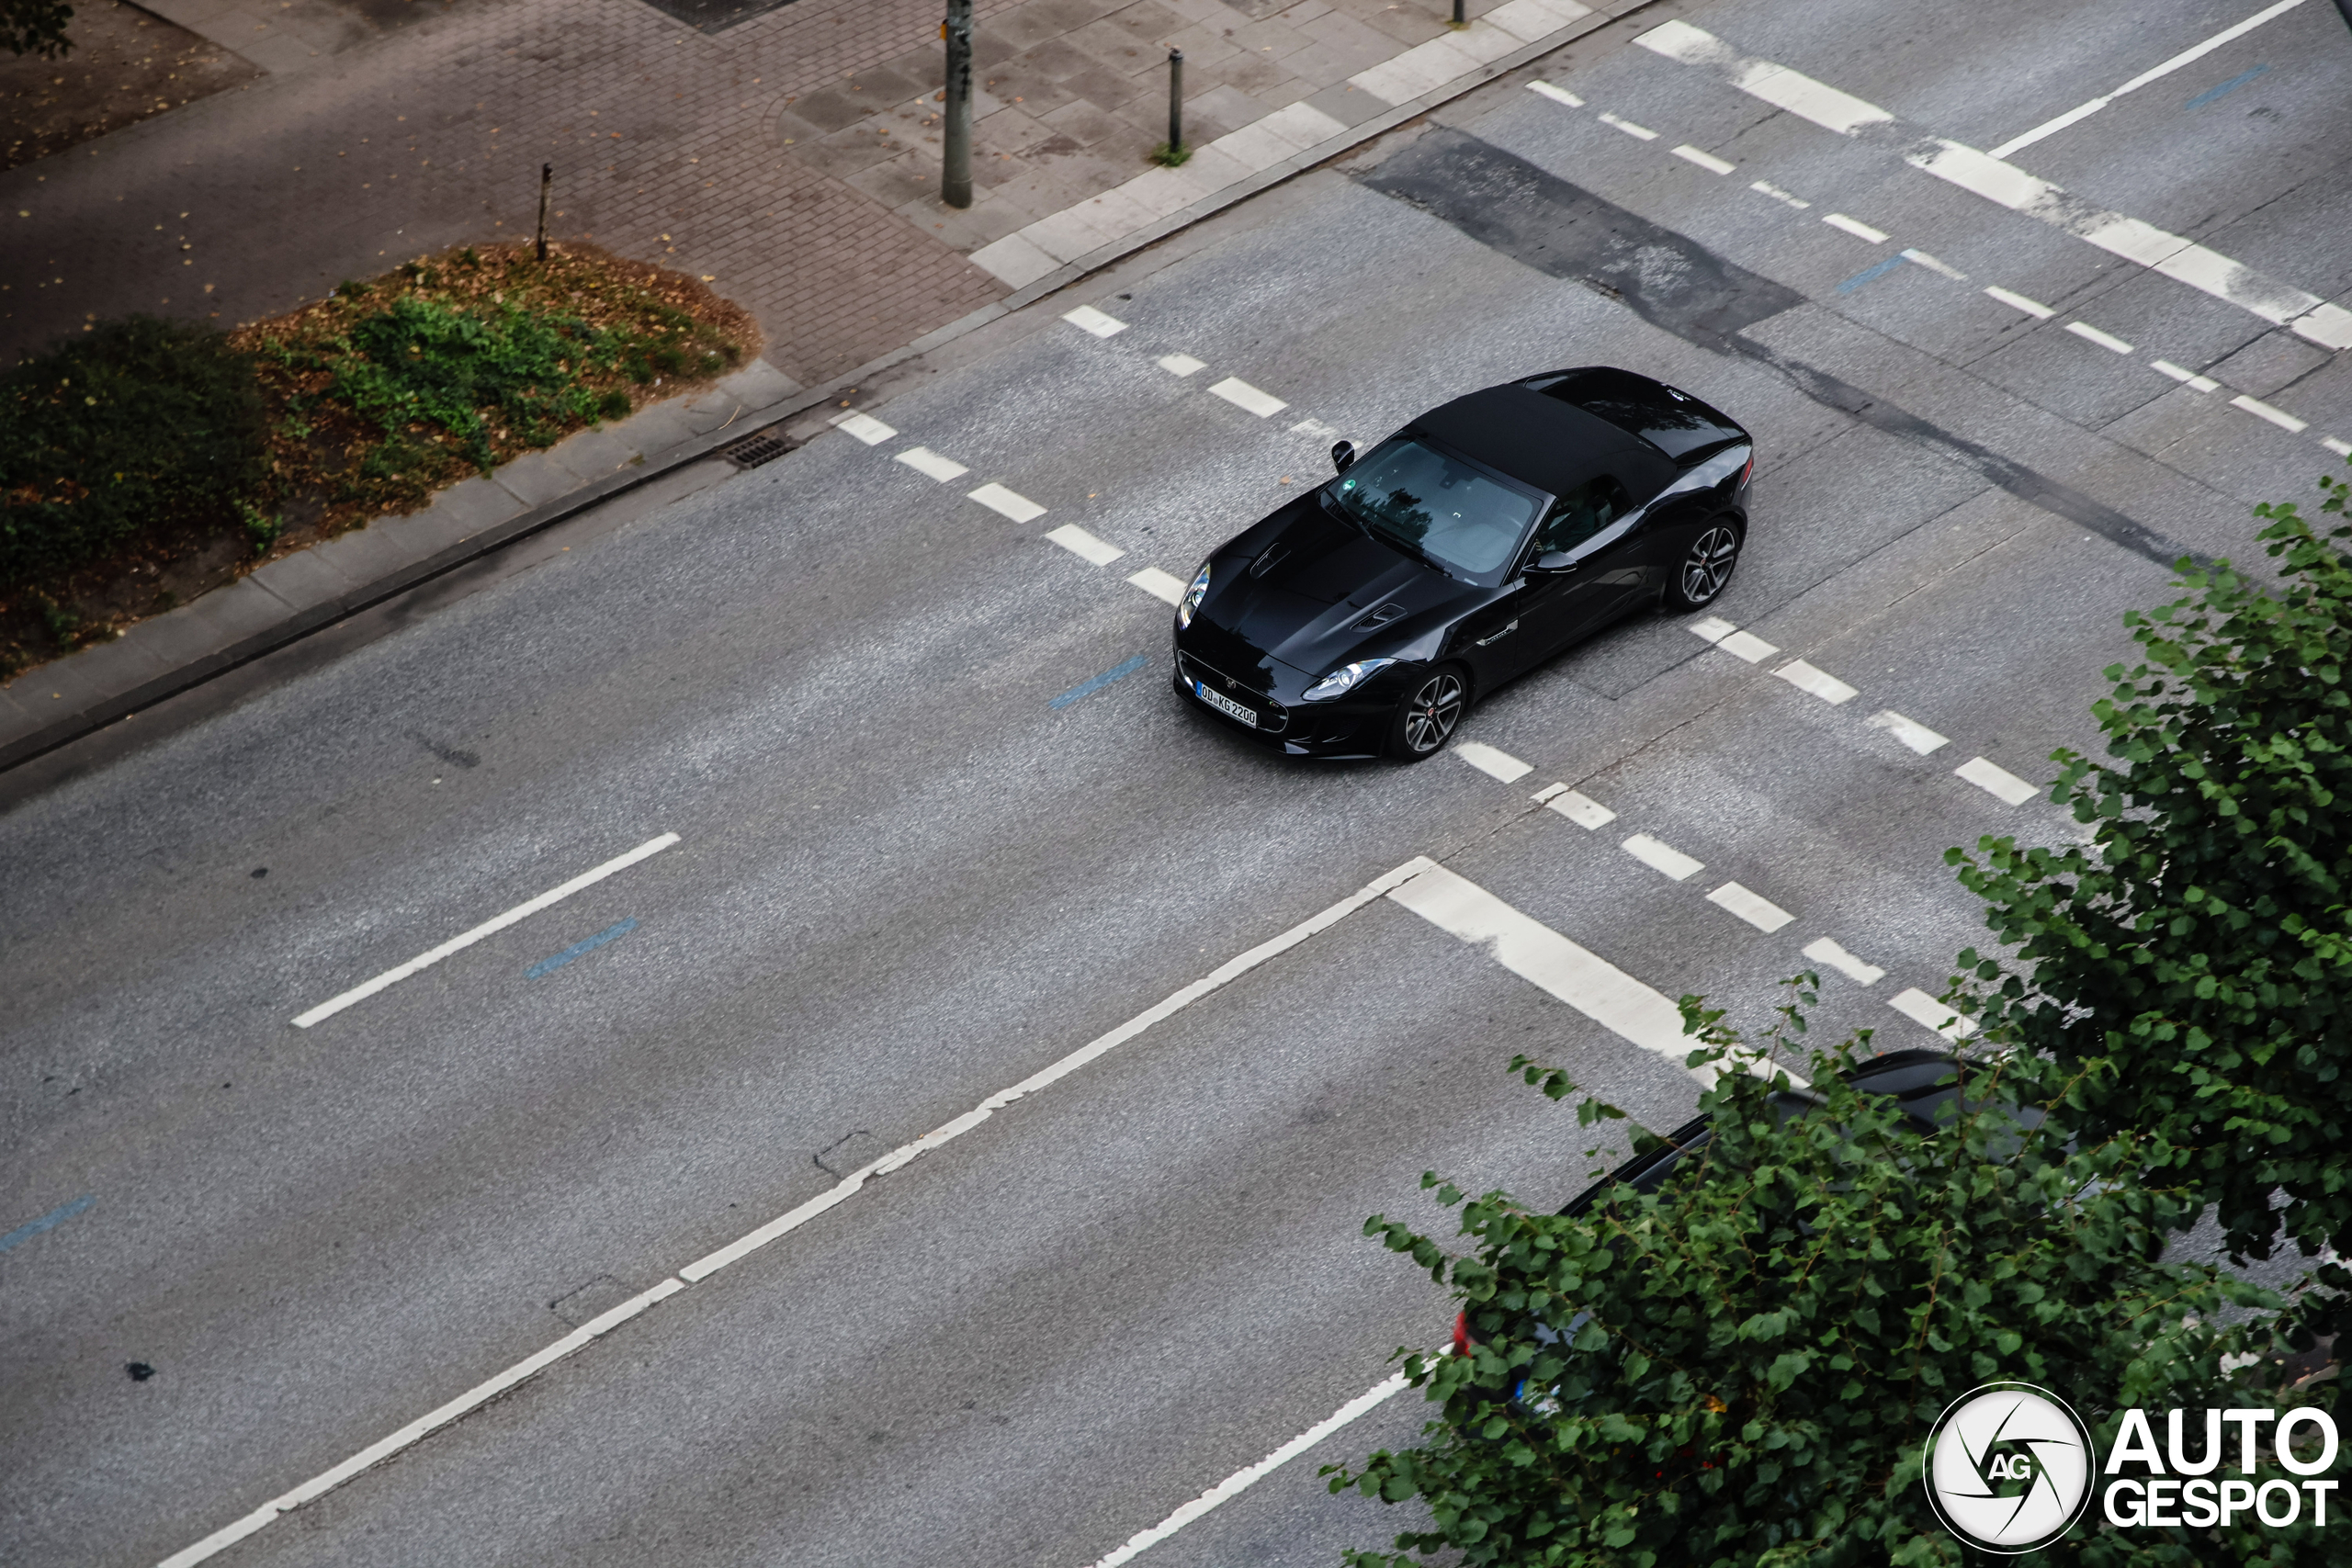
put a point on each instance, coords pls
(2089, 333)
(1557, 94)
(2186, 57)
(491, 927)
(1640, 132)
(2279, 417)
(2033, 308)
(1824, 951)
(2186, 378)
(1182, 364)
(1757, 911)
(1859, 229)
(1242, 395)
(1658, 855)
(1995, 779)
(1919, 1007)
(742, 1247)
(2305, 313)
(1088, 318)
(1581, 809)
(923, 460)
(1706, 160)
(1079, 542)
(1932, 264)
(1159, 584)
(1241, 1481)
(865, 426)
(996, 498)
(1743, 645)
(1537, 954)
(1910, 732)
(1494, 763)
(1821, 683)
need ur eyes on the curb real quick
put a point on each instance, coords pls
(300, 623)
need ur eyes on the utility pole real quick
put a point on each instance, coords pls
(956, 149)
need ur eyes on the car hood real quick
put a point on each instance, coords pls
(1298, 586)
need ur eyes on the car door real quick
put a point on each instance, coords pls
(1607, 556)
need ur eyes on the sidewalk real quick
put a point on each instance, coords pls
(896, 291)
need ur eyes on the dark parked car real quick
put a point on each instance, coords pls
(1363, 617)
(1920, 1081)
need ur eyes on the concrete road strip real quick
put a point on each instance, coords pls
(750, 1242)
(491, 927)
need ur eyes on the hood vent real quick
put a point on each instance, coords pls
(1268, 558)
(1381, 616)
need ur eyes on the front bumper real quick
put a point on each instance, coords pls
(1352, 725)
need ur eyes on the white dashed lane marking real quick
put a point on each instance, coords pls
(1997, 781)
(1820, 684)
(1494, 763)
(1079, 542)
(2107, 340)
(1088, 318)
(1640, 132)
(865, 426)
(1011, 503)
(1932, 264)
(1159, 584)
(1777, 194)
(1557, 94)
(2188, 378)
(1757, 911)
(1859, 229)
(1706, 160)
(1182, 364)
(1910, 732)
(1919, 1007)
(1242, 395)
(2033, 308)
(923, 460)
(1661, 856)
(2279, 417)
(1824, 951)
(1581, 809)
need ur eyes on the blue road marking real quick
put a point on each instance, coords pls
(579, 949)
(48, 1222)
(1889, 264)
(2232, 86)
(1087, 688)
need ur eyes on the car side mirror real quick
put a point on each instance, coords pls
(1552, 561)
(1343, 455)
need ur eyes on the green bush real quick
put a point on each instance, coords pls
(141, 423)
(424, 362)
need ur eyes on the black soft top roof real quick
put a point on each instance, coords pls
(1545, 443)
(1666, 417)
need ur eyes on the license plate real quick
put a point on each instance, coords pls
(1223, 704)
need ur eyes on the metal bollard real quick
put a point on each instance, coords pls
(956, 140)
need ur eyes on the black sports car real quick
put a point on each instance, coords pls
(1489, 534)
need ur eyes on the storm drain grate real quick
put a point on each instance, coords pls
(764, 448)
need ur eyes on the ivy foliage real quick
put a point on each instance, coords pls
(36, 26)
(1755, 1354)
(424, 361)
(2193, 964)
(141, 422)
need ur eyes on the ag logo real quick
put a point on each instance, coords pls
(2008, 1468)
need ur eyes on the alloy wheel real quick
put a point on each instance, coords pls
(1431, 713)
(1709, 565)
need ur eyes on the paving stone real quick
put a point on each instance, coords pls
(591, 455)
(312, 590)
(653, 430)
(209, 630)
(2268, 363)
(759, 384)
(476, 504)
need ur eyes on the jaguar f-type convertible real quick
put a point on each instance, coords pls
(1365, 617)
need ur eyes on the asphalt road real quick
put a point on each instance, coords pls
(905, 880)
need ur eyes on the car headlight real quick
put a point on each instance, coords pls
(1346, 678)
(1193, 597)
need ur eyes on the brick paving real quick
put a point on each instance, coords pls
(792, 158)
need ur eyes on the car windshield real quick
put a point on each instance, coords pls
(1458, 518)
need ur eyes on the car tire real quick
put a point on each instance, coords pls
(1427, 714)
(1705, 569)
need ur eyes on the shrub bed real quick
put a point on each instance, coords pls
(146, 462)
